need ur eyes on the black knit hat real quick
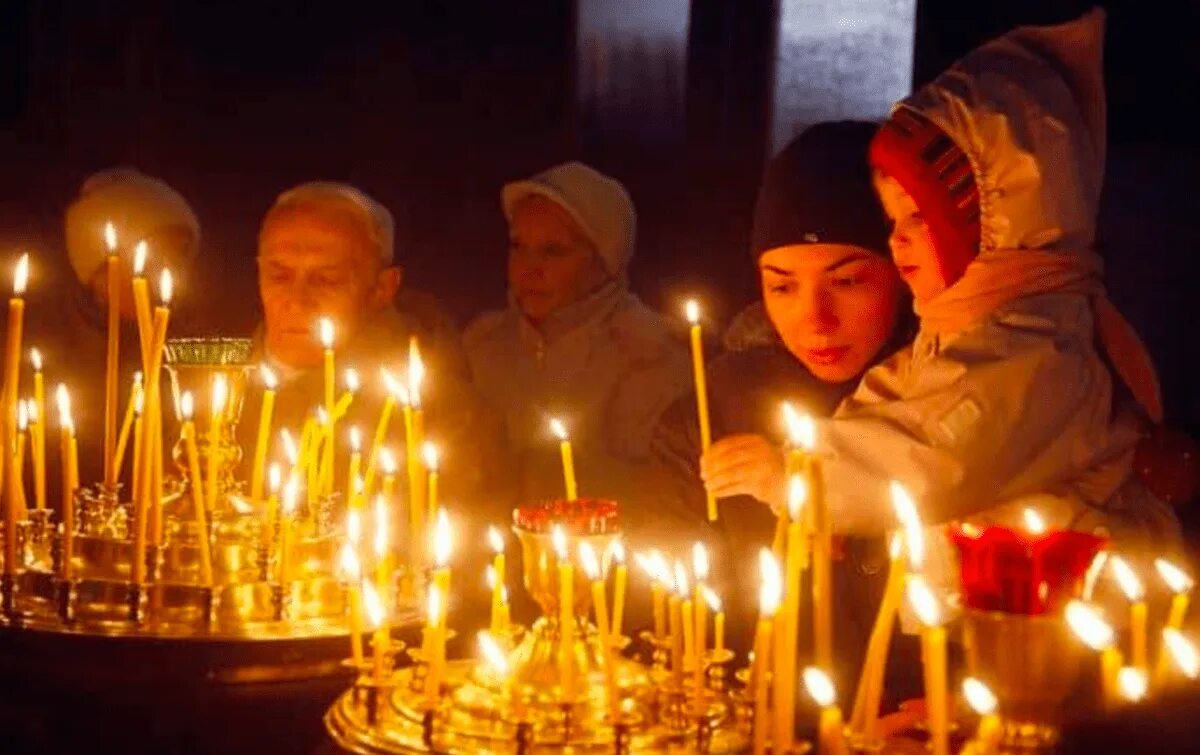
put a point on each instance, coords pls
(818, 191)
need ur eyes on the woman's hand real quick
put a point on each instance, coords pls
(746, 465)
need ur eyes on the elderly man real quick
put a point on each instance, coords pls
(574, 342)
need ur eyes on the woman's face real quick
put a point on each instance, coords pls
(551, 263)
(833, 305)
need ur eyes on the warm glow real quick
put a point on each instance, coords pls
(819, 686)
(166, 287)
(895, 544)
(291, 493)
(187, 406)
(353, 527)
(588, 560)
(355, 438)
(289, 446)
(646, 564)
(1182, 651)
(1127, 579)
(1132, 683)
(110, 237)
(495, 539)
(559, 539)
(274, 478)
(382, 535)
(63, 399)
(493, 654)
(140, 252)
(22, 417)
(325, 329)
(35, 358)
(350, 378)
(348, 563)
(391, 384)
(1087, 624)
(700, 561)
(617, 551)
(924, 603)
(558, 428)
(711, 598)
(771, 593)
(1093, 574)
(691, 310)
(268, 377)
(681, 580)
(21, 275)
(662, 570)
(416, 373)
(32, 411)
(322, 416)
(979, 696)
(801, 429)
(1034, 523)
(220, 391)
(1177, 579)
(429, 453)
(387, 461)
(442, 539)
(797, 495)
(914, 534)
(139, 396)
(433, 605)
(373, 605)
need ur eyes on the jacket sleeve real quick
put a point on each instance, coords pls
(1003, 410)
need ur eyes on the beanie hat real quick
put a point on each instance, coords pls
(939, 177)
(137, 205)
(817, 190)
(600, 205)
(375, 219)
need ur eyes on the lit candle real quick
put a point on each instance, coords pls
(1091, 628)
(498, 569)
(352, 574)
(789, 619)
(822, 544)
(568, 458)
(112, 358)
(141, 303)
(1180, 584)
(132, 409)
(394, 391)
(436, 643)
(220, 392)
(287, 513)
(414, 432)
(591, 568)
(353, 475)
(430, 453)
(443, 543)
(70, 482)
(352, 384)
(326, 333)
(153, 437)
(692, 310)
(12, 364)
(984, 703)
(271, 512)
(264, 432)
(1132, 586)
(566, 615)
(497, 660)
(830, 738)
(657, 596)
(139, 432)
(620, 584)
(714, 605)
(1182, 652)
(700, 569)
(1132, 683)
(376, 617)
(383, 549)
(188, 431)
(39, 439)
(387, 462)
(687, 619)
(865, 715)
(770, 595)
(933, 661)
(674, 628)
(19, 463)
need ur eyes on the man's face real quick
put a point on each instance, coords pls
(551, 263)
(314, 264)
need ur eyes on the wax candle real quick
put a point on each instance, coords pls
(393, 393)
(350, 384)
(443, 543)
(831, 740)
(700, 569)
(822, 544)
(141, 303)
(1180, 584)
(188, 431)
(19, 462)
(788, 622)
(139, 432)
(271, 510)
(39, 440)
(566, 615)
(675, 635)
(498, 662)
(714, 605)
(147, 508)
(865, 715)
(933, 662)
(568, 458)
(387, 462)
(67, 433)
(591, 568)
(657, 595)
(12, 363)
(984, 703)
(620, 585)
(112, 359)
(1091, 628)
(132, 410)
(264, 432)
(326, 333)
(770, 596)
(687, 618)
(220, 393)
(498, 569)
(414, 432)
(436, 657)
(1182, 652)
(376, 618)
(354, 470)
(291, 492)
(1135, 591)
(352, 574)
(692, 310)
(1132, 683)
(430, 453)
(383, 546)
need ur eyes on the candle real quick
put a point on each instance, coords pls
(568, 458)
(220, 392)
(865, 715)
(498, 570)
(271, 510)
(353, 473)
(394, 391)
(499, 663)
(148, 508)
(1087, 624)
(933, 662)
(788, 622)
(443, 542)
(141, 303)
(1180, 584)
(39, 440)
(700, 568)
(139, 431)
(1132, 586)
(264, 431)
(12, 363)
(687, 620)
(352, 574)
(984, 703)
(19, 463)
(770, 595)
(692, 310)
(620, 584)
(383, 545)
(822, 545)
(66, 437)
(591, 568)
(387, 462)
(1182, 652)
(112, 358)
(1131, 681)
(714, 605)
(188, 431)
(376, 615)
(414, 432)
(436, 643)
(649, 564)
(290, 493)
(830, 738)
(352, 384)
(430, 453)
(566, 615)
(326, 333)
(133, 408)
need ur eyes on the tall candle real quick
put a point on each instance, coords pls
(132, 410)
(687, 618)
(770, 596)
(591, 568)
(220, 393)
(822, 555)
(394, 391)
(271, 510)
(933, 662)
(443, 542)
(12, 363)
(188, 431)
(66, 436)
(701, 385)
(1182, 651)
(352, 384)
(830, 738)
(354, 469)
(675, 635)
(568, 458)
(139, 432)
(700, 569)
(566, 616)
(352, 574)
(436, 642)
(714, 605)
(430, 453)
(984, 703)
(620, 585)
(326, 333)
(287, 514)
(788, 622)
(387, 462)
(264, 432)
(39, 440)
(377, 619)
(19, 463)
(865, 715)
(149, 508)
(1180, 583)
(383, 546)
(1135, 591)
(111, 354)
(1087, 623)
(657, 596)
(414, 430)
(498, 569)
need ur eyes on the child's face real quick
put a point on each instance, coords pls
(912, 245)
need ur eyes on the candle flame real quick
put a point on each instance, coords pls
(220, 392)
(355, 438)
(797, 495)
(700, 565)
(914, 534)
(325, 331)
(559, 539)
(819, 686)
(348, 563)
(1089, 626)
(924, 603)
(373, 605)
(166, 287)
(32, 410)
(442, 539)
(268, 377)
(291, 492)
(1034, 523)
(387, 461)
(392, 386)
(21, 275)
(558, 428)
(63, 399)
(662, 570)
(429, 453)
(322, 416)
(979, 696)
(1132, 683)
(289, 446)
(771, 592)
(617, 551)
(350, 378)
(382, 536)
(801, 428)
(187, 406)
(35, 358)
(587, 558)
(416, 372)
(495, 539)
(646, 564)
(1177, 579)
(1182, 651)
(681, 580)
(274, 478)
(1127, 579)
(1094, 570)
(140, 252)
(895, 545)
(139, 399)
(353, 527)
(691, 310)
(489, 576)
(433, 605)
(110, 237)
(711, 598)
(493, 654)
(22, 417)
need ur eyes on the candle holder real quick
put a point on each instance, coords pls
(39, 537)
(66, 591)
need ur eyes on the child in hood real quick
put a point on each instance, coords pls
(1013, 388)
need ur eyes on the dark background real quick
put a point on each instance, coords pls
(430, 106)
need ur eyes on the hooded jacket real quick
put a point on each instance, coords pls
(1017, 403)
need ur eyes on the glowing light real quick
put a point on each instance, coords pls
(771, 592)
(325, 327)
(914, 533)
(348, 563)
(1095, 569)
(63, 399)
(979, 696)
(35, 358)
(493, 654)
(220, 391)
(274, 478)
(1127, 579)
(1177, 579)
(291, 493)
(140, 253)
(110, 237)
(289, 446)
(387, 460)
(1132, 683)
(22, 416)
(268, 377)
(373, 605)
(443, 539)
(819, 686)
(1034, 523)
(495, 539)
(32, 411)
(588, 560)
(1087, 624)
(924, 603)
(416, 373)
(1183, 652)
(617, 551)
(187, 406)
(558, 428)
(350, 378)
(559, 539)
(681, 580)
(355, 438)
(711, 598)
(429, 453)
(691, 310)
(797, 495)
(700, 564)
(166, 287)
(21, 275)
(353, 527)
